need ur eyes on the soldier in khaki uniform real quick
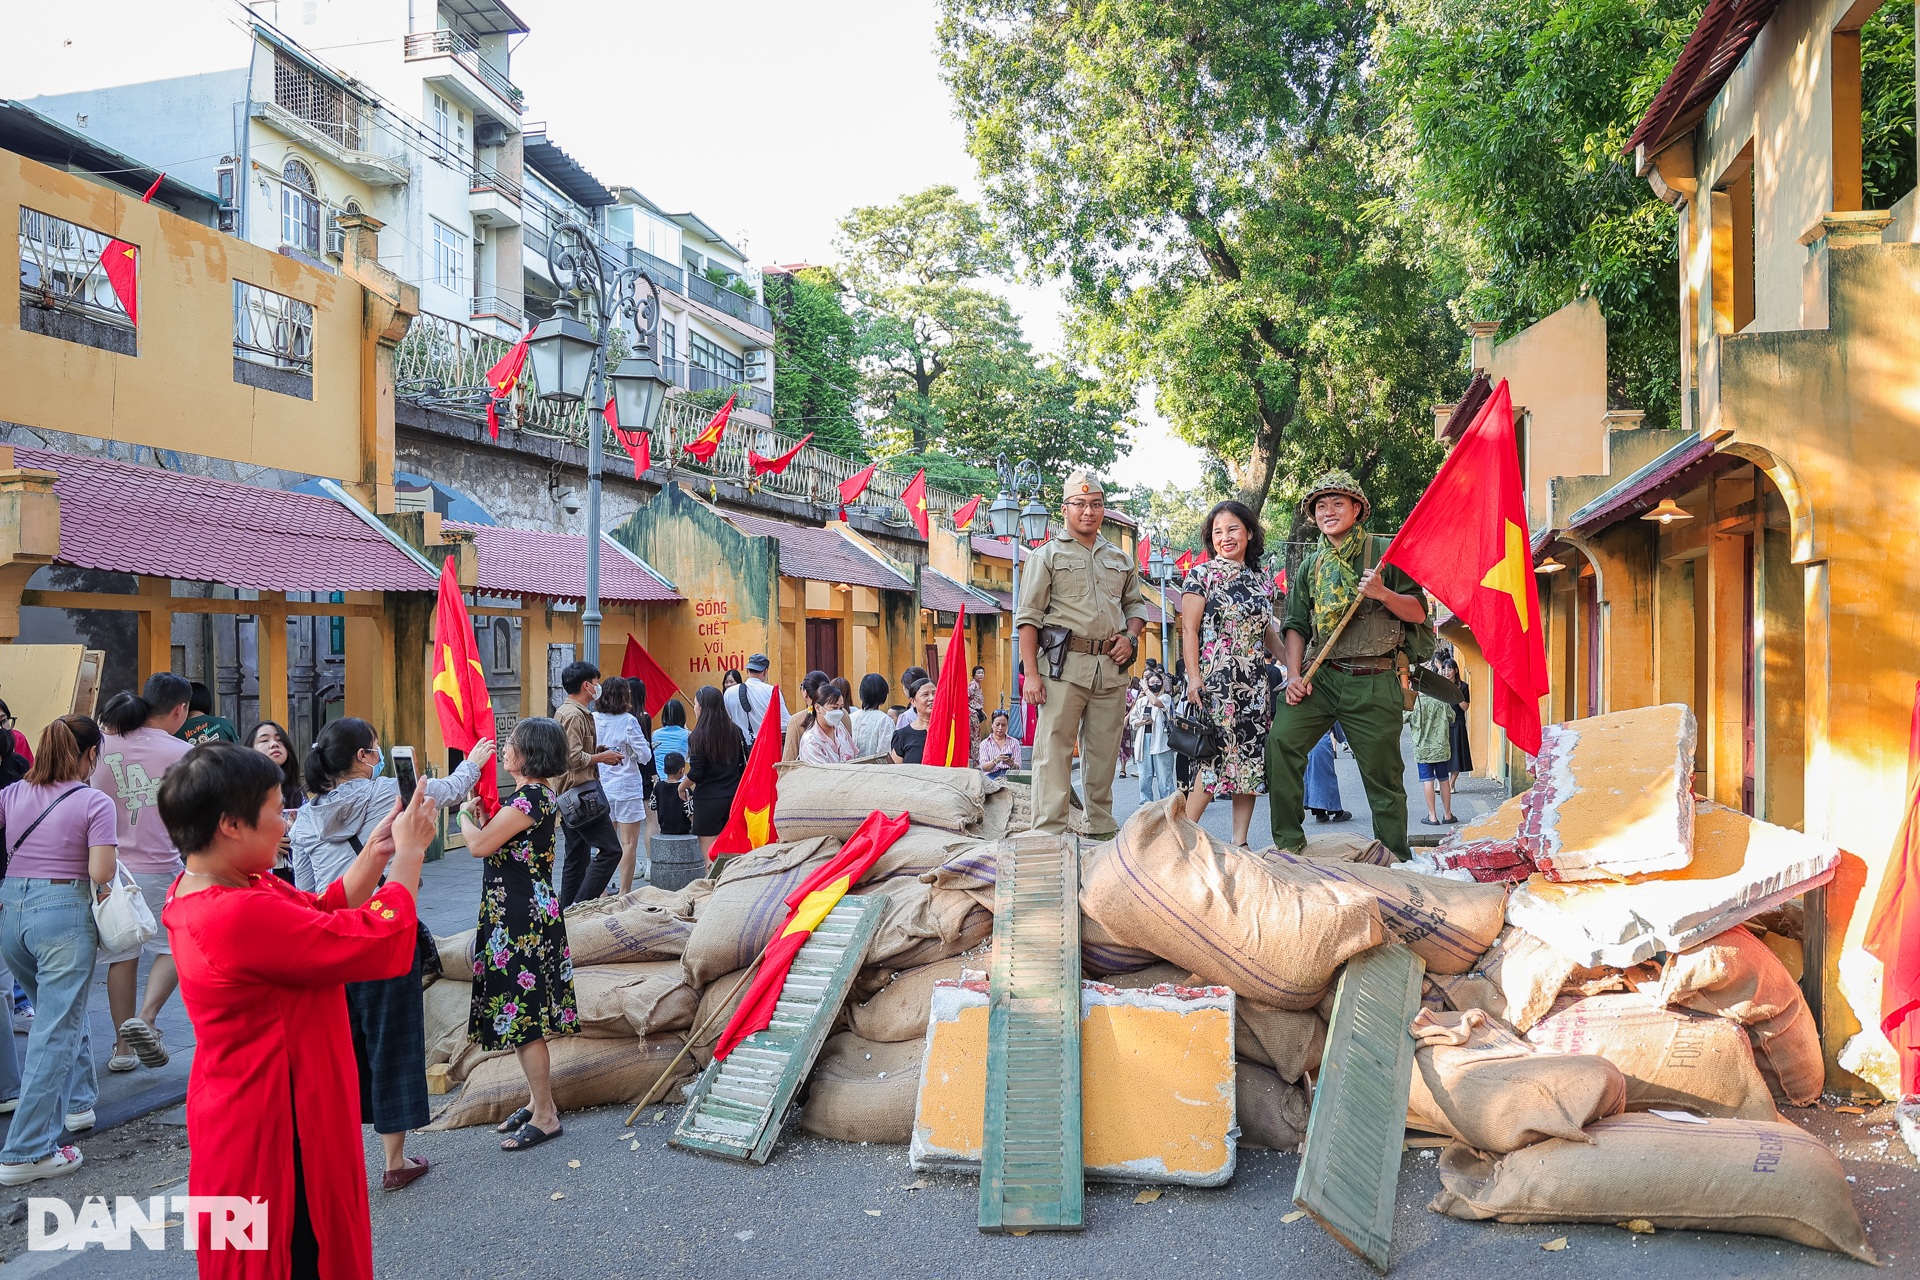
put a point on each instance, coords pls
(1083, 583)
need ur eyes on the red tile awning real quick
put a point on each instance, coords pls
(1673, 472)
(821, 554)
(944, 595)
(122, 518)
(1726, 30)
(553, 566)
(987, 545)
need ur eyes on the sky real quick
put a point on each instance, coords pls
(768, 118)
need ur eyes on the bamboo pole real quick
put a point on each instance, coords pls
(647, 1098)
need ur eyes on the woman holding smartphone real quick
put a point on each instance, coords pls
(349, 799)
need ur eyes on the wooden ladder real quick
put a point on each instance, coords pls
(740, 1102)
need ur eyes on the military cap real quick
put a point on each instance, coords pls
(1335, 481)
(1083, 483)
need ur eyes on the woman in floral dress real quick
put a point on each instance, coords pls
(522, 969)
(1226, 616)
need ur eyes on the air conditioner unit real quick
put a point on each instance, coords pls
(479, 233)
(756, 365)
(336, 239)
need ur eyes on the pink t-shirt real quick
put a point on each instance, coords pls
(131, 766)
(57, 848)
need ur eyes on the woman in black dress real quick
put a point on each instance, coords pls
(523, 970)
(716, 759)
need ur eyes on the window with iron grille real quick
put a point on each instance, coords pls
(449, 256)
(61, 269)
(317, 101)
(299, 207)
(272, 329)
(715, 358)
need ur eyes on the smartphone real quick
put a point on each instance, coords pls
(403, 770)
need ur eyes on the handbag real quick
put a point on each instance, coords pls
(584, 805)
(1191, 734)
(122, 918)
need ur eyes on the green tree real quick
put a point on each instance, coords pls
(1886, 105)
(1199, 173)
(1509, 119)
(816, 348)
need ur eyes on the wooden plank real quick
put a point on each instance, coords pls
(740, 1103)
(1350, 1161)
(1031, 1174)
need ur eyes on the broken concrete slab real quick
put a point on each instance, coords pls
(1157, 1083)
(1741, 867)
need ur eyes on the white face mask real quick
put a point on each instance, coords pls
(834, 716)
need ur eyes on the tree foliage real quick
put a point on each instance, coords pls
(816, 373)
(1886, 105)
(1199, 173)
(1509, 119)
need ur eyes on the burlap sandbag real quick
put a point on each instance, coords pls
(1735, 975)
(920, 851)
(586, 1072)
(456, 956)
(922, 923)
(1672, 1058)
(1447, 923)
(863, 1090)
(646, 924)
(717, 1005)
(1478, 1082)
(1516, 980)
(447, 1005)
(1273, 932)
(747, 905)
(961, 925)
(1347, 846)
(1755, 1177)
(972, 870)
(899, 1011)
(834, 799)
(616, 1001)
(1271, 1112)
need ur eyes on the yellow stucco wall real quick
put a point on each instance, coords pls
(178, 392)
(1557, 369)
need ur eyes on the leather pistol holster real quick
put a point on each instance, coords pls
(1053, 647)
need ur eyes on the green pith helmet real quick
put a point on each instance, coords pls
(1335, 482)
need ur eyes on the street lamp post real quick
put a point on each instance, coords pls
(1160, 565)
(1012, 522)
(570, 365)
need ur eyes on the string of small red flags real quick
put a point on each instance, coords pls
(120, 262)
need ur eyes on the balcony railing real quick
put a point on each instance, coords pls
(487, 307)
(446, 43)
(443, 365)
(747, 396)
(488, 180)
(664, 273)
(704, 290)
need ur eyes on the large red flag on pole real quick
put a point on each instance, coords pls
(702, 446)
(764, 466)
(460, 683)
(914, 498)
(639, 665)
(1144, 552)
(807, 906)
(503, 378)
(1466, 542)
(750, 822)
(120, 262)
(1893, 930)
(950, 723)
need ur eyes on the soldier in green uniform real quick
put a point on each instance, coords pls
(1079, 615)
(1358, 685)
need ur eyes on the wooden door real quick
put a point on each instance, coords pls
(1747, 699)
(823, 645)
(1590, 619)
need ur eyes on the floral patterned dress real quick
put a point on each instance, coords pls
(522, 968)
(1233, 671)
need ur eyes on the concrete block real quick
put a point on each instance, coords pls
(439, 1081)
(1157, 1082)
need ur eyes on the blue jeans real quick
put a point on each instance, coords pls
(1156, 776)
(1323, 784)
(48, 940)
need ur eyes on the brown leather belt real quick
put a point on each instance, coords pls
(1095, 647)
(1363, 666)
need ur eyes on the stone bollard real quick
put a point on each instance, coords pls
(676, 861)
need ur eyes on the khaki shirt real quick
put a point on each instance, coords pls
(583, 743)
(1093, 590)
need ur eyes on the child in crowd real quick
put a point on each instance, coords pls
(674, 813)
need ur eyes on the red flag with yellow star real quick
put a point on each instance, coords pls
(963, 518)
(950, 723)
(808, 906)
(460, 682)
(702, 446)
(765, 466)
(120, 262)
(1466, 542)
(503, 378)
(750, 823)
(914, 496)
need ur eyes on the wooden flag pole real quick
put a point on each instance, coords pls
(1327, 648)
(646, 1099)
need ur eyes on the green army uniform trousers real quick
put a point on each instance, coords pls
(1368, 708)
(1074, 712)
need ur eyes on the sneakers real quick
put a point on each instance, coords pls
(9, 1105)
(122, 1062)
(62, 1162)
(80, 1121)
(23, 1020)
(145, 1042)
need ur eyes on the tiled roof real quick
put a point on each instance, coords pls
(820, 554)
(986, 545)
(1672, 473)
(938, 591)
(123, 518)
(1726, 30)
(537, 562)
